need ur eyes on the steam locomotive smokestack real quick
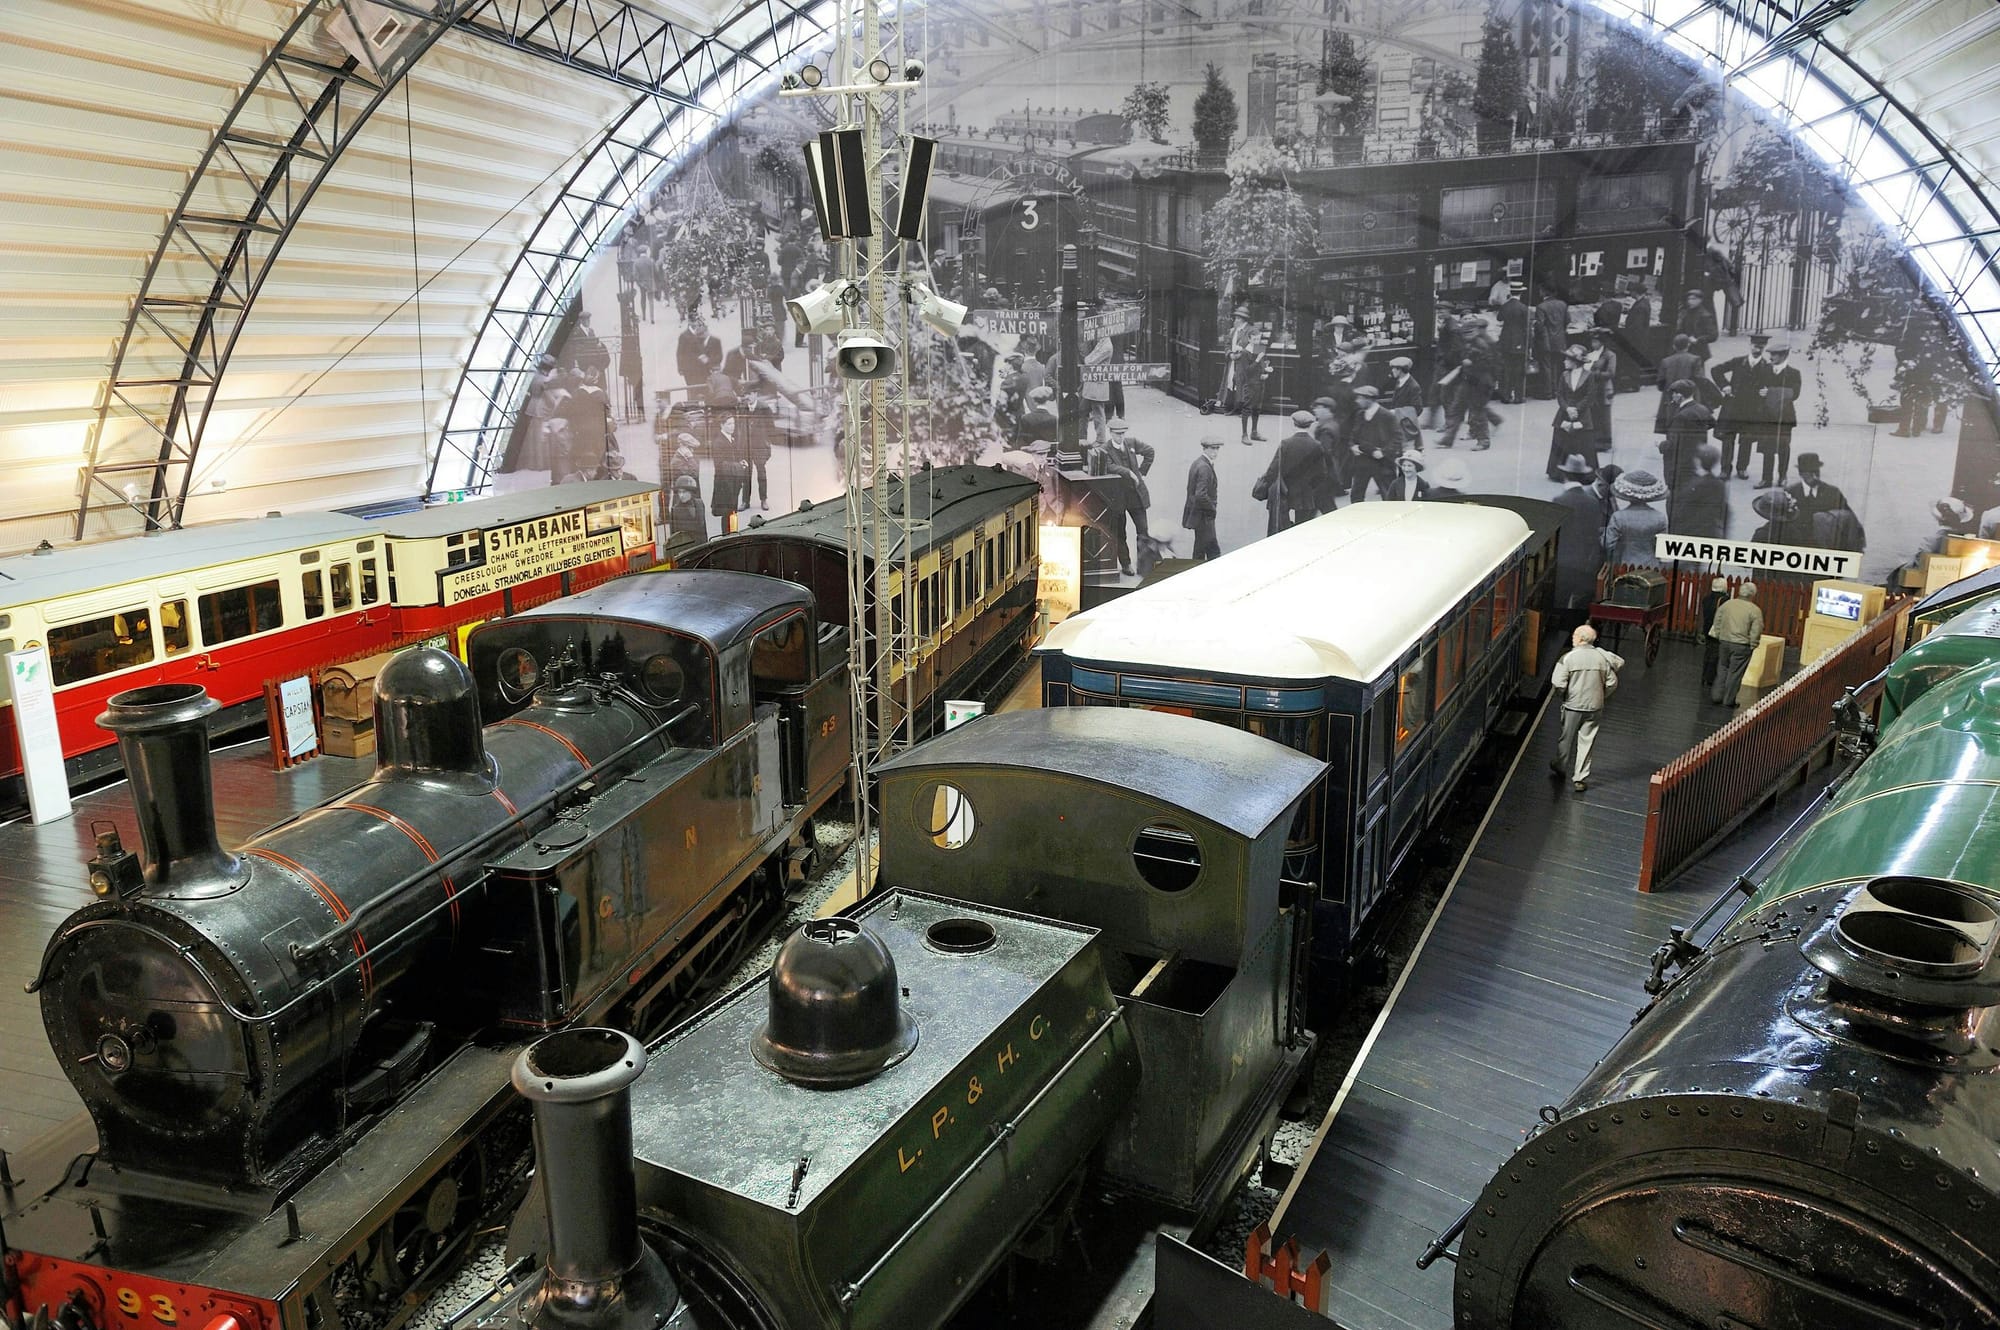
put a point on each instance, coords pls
(598, 1271)
(163, 737)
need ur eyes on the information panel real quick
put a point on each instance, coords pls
(35, 725)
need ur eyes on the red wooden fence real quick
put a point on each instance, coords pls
(1785, 598)
(1706, 792)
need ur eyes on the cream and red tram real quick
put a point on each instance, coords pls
(234, 605)
(1384, 638)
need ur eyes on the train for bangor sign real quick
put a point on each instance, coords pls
(1764, 558)
(539, 547)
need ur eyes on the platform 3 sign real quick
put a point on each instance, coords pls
(34, 697)
(1762, 558)
(525, 551)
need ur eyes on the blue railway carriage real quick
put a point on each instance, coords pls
(1384, 639)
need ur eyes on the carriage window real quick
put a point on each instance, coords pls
(174, 626)
(1380, 720)
(371, 590)
(1450, 660)
(1503, 599)
(778, 654)
(240, 611)
(923, 609)
(79, 651)
(1412, 702)
(896, 616)
(957, 589)
(314, 585)
(341, 578)
(986, 568)
(1477, 626)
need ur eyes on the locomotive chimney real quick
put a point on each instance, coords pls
(427, 720)
(598, 1273)
(163, 737)
(1915, 959)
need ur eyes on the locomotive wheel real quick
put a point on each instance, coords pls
(376, 1285)
(437, 1218)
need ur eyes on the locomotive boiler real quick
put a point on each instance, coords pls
(1081, 963)
(346, 986)
(1800, 1131)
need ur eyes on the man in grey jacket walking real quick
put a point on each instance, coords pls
(1586, 676)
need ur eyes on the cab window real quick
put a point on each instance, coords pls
(79, 651)
(778, 655)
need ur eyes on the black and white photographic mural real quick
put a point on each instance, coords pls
(1368, 253)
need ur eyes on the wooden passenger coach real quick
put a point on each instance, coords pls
(233, 605)
(970, 592)
(1384, 638)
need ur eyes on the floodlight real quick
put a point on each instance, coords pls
(947, 316)
(878, 69)
(812, 76)
(862, 354)
(820, 311)
(913, 69)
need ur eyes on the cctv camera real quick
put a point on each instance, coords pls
(819, 311)
(913, 69)
(947, 316)
(862, 354)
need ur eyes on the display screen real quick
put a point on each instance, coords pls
(1834, 603)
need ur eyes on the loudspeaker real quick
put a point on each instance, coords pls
(863, 354)
(911, 209)
(818, 182)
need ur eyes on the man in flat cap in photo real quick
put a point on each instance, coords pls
(1374, 443)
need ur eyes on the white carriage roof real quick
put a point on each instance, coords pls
(71, 570)
(444, 519)
(1342, 596)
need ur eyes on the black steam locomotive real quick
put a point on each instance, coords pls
(295, 1055)
(1082, 964)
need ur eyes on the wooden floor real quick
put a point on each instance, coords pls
(42, 881)
(1530, 971)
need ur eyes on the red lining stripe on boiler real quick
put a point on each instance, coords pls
(575, 752)
(334, 903)
(450, 887)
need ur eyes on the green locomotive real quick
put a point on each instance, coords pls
(1926, 803)
(1800, 1130)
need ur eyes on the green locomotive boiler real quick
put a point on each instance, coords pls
(1800, 1130)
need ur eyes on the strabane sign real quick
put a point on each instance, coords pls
(1764, 558)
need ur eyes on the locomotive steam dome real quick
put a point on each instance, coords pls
(836, 1015)
(427, 718)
